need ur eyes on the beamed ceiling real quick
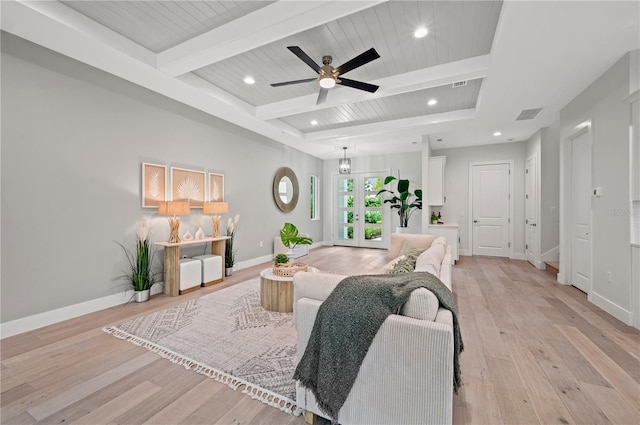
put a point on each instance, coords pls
(512, 55)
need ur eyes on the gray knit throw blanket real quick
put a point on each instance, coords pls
(346, 324)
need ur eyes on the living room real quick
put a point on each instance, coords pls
(75, 132)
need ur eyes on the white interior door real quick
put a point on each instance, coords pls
(581, 212)
(490, 201)
(531, 211)
(359, 218)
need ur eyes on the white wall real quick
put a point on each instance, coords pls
(456, 186)
(604, 104)
(410, 166)
(73, 139)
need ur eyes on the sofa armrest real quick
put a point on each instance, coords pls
(411, 359)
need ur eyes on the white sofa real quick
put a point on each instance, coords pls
(407, 375)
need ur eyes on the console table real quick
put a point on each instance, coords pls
(172, 260)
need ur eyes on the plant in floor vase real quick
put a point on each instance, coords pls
(230, 251)
(402, 199)
(290, 238)
(140, 274)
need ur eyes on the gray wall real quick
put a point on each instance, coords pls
(456, 187)
(73, 139)
(410, 166)
(604, 103)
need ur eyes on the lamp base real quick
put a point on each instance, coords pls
(215, 220)
(174, 225)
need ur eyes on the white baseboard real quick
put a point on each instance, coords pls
(29, 323)
(552, 255)
(518, 256)
(465, 252)
(613, 309)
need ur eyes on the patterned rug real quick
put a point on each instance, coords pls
(227, 336)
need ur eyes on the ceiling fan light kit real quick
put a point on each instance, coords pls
(328, 75)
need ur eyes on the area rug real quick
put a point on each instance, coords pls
(228, 336)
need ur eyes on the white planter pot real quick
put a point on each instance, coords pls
(402, 230)
(142, 296)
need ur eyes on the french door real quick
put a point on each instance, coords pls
(359, 219)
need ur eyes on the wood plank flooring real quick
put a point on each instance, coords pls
(536, 353)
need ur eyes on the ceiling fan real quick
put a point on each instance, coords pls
(328, 76)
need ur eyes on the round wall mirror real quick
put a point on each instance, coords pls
(285, 189)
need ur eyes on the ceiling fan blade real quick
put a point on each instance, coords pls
(304, 57)
(371, 88)
(359, 60)
(322, 96)
(286, 83)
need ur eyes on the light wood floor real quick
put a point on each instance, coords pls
(536, 352)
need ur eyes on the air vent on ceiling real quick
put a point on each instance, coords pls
(459, 84)
(528, 114)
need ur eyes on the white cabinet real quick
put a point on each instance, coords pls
(451, 231)
(435, 182)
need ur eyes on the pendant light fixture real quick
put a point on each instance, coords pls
(345, 163)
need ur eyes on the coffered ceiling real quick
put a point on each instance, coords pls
(508, 56)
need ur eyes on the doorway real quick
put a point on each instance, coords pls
(532, 235)
(491, 208)
(359, 218)
(581, 212)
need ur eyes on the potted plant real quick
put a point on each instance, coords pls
(230, 251)
(405, 201)
(290, 238)
(281, 259)
(434, 218)
(139, 274)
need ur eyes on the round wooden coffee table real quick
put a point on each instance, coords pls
(276, 292)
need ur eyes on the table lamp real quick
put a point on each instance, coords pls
(174, 208)
(215, 208)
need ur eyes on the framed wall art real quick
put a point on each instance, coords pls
(188, 185)
(216, 187)
(154, 184)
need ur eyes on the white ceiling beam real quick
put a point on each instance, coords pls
(392, 125)
(264, 26)
(91, 29)
(435, 76)
(28, 23)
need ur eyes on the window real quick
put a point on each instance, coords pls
(315, 199)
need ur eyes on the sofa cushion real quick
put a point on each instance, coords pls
(403, 240)
(440, 240)
(408, 263)
(422, 304)
(431, 260)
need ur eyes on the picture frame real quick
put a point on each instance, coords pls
(216, 187)
(154, 184)
(188, 185)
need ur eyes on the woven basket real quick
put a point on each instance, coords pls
(289, 269)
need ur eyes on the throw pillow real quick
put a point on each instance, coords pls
(431, 259)
(440, 240)
(422, 304)
(408, 263)
(389, 266)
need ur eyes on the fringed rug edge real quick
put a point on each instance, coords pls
(256, 392)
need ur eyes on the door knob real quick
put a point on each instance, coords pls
(475, 221)
(533, 224)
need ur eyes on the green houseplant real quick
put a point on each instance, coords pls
(139, 273)
(229, 250)
(281, 258)
(402, 199)
(290, 238)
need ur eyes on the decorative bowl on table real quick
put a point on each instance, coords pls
(289, 269)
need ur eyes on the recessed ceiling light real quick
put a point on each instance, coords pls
(432, 102)
(497, 133)
(314, 122)
(420, 32)
(249, 80)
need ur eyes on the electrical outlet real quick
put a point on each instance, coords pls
(609, 277)
(260, 244)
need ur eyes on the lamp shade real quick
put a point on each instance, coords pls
(173, 208)
(215, 208)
